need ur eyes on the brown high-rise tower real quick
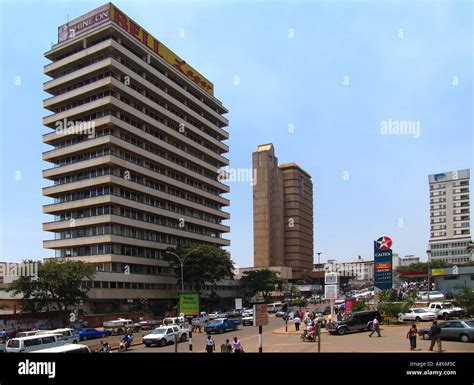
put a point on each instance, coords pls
(283, 213)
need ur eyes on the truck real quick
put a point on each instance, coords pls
(120, 326)
(444, 310)
(220, 325)
(163, 335)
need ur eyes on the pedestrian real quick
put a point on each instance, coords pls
(375, 327)
(339, 316)
(210, 344)
(411, 335)
(297, 321)
(226, 347)
(435, 336)
(237, 346)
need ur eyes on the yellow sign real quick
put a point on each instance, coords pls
(123, 21)
(436, 272)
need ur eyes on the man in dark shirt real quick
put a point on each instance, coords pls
(435, 336)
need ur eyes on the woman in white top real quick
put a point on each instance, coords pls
(236, 345)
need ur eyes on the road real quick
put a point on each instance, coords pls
(275, 340)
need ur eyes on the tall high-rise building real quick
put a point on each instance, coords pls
(283, 213)
(137, 141)
(450, 216)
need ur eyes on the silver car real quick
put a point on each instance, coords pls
(462, 330)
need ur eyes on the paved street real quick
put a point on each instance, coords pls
(393, 340)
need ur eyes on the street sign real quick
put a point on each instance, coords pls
(331, 291)
(260, 315)
(238, 303)
(331, 278)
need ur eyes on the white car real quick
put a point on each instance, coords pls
(247, 321)
(247, 313)
(418, 314)
(165, 334)
(217, 314)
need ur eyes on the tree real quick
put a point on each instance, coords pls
(204, 264)
(58, 283)
(465, 298)
(261, 281)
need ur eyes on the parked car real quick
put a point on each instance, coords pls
(247, 313)
(220, 325)
(217, 314)
(324, 310)
(419, 314)
(247, 321)
(90, 334)
(173, 321)
(280, 313)
(120, 326)
(434, 296)
(234, 313)
(149, 324)
(361, 320)
(166, 334)
(462, 330)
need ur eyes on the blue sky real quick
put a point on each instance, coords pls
(333, 70)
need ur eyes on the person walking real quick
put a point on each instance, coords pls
(375, 327)
(411, 335)
(435, 336)
(237, 346)
(226, 347)
(210, 344)
(297, 321)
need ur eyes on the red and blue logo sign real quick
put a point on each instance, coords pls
(383, 243)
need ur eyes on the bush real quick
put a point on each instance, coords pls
(359, 306)
(392, 309)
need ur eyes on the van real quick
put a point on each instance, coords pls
(69, 348)
(67, 335)
(32, 343)
(29, 333)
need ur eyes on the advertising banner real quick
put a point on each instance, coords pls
(84, 23)
(383, 269)
(331, 291)
(260, 315)
(189, 304)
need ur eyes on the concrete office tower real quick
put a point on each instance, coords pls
(450, 216)
(137, 141)
(283, 213)
(268, 211)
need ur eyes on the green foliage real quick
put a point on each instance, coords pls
(298, 302)
(59, 283)
(389, 295)
(423, 266)
(261, 281)
(465, 298)
(359, 306)
(203, 264)
(392, 309)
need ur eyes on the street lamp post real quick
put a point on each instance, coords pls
(181, 262)
(319, 259)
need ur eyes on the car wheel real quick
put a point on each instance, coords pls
(465, 338)
(426, 336)
(369, 327)
(236, 327)
(341, 331)
(221, 330)
(445, 316)
(147, 344)
(184, 337)
(417, 319)
(85, 338)
(162, 342)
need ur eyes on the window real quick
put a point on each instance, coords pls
(32, 342)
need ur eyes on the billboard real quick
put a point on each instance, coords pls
(331, 291)
(127, 24)
(110, 12)
(383, 263)
(84, 23)
(189, 304)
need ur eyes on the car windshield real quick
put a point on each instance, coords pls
(434, 293)
(470, 324)
(419, 311)
(219, 320)
(447, 305)
(159, 331)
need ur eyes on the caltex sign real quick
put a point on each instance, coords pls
(383, 263)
